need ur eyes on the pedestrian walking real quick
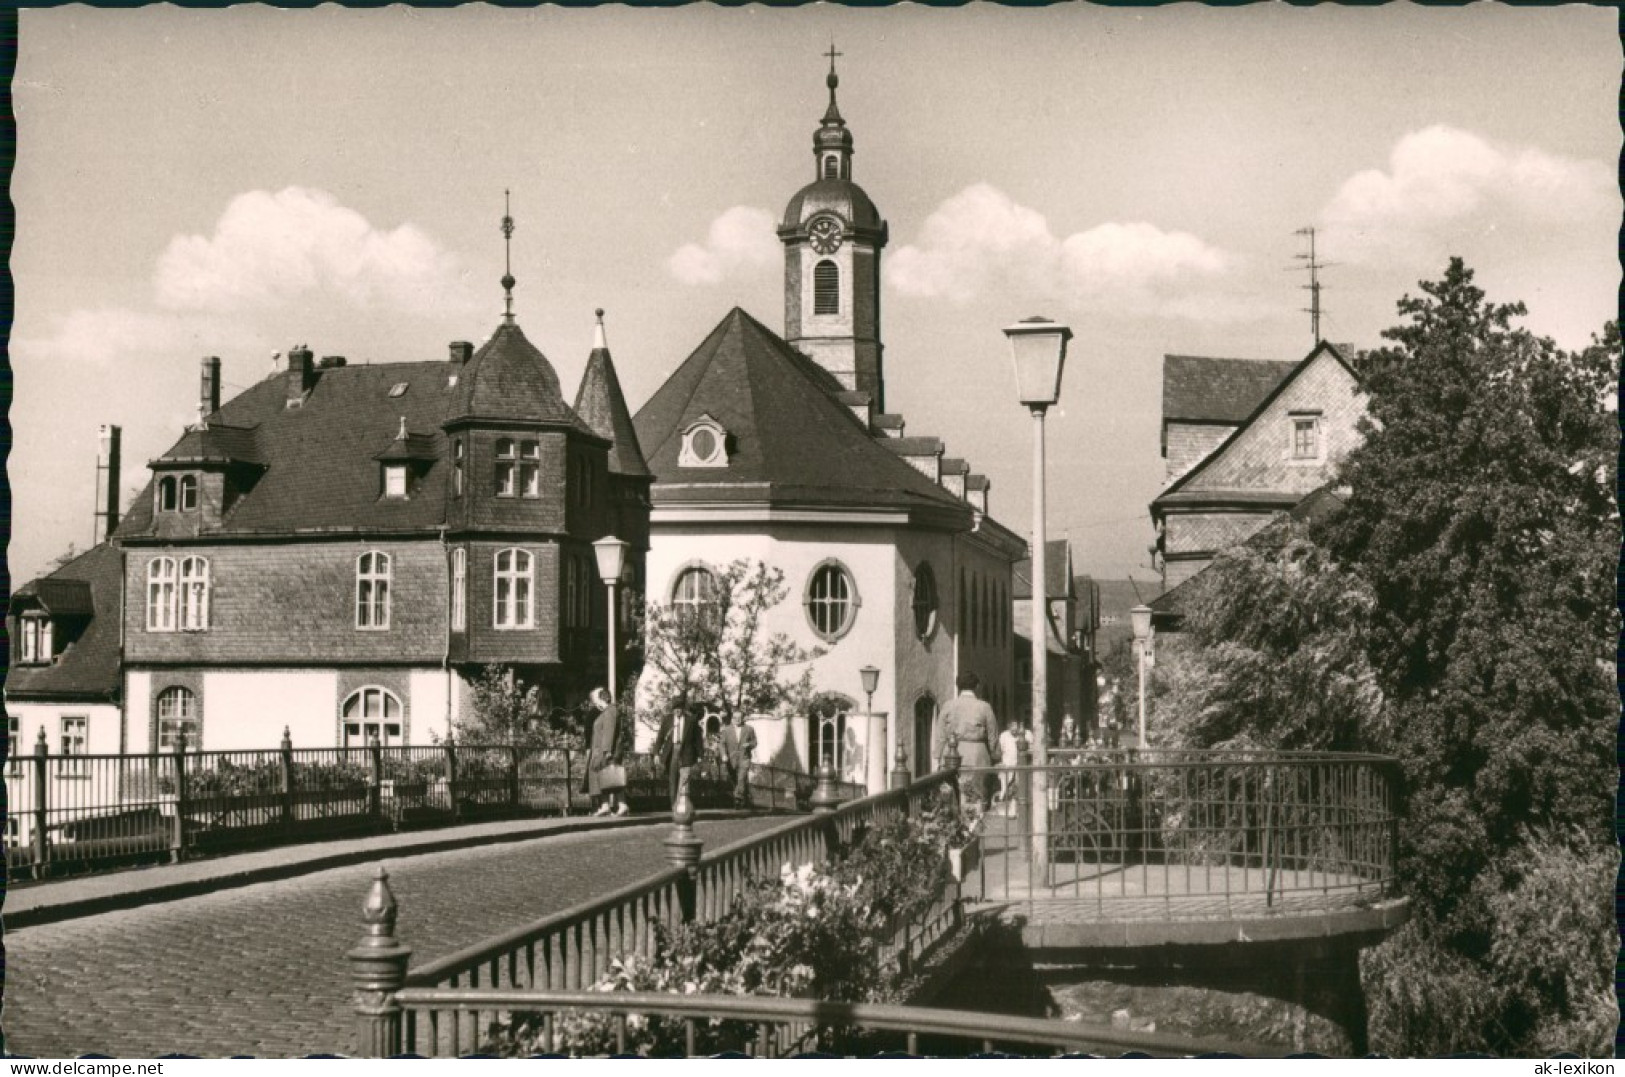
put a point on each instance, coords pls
(606, 770)
(739, 745)
(679, 745)
(1009, 753)
(969, 724)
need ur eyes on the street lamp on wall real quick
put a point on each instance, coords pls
(875, 772)
(871, 681)
(1140, 616)
(1038, 351)
(611, 554)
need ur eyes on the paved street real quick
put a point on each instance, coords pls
(260, 970)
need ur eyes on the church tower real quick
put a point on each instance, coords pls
(832, 236)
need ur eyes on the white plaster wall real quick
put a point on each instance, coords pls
(137, 730)
(248, 709)
(429, 703)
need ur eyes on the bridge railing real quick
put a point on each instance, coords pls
(1156, 834)
(572, 949)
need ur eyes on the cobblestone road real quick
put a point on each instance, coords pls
(260, 970)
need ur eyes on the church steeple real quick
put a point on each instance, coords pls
(832, 142)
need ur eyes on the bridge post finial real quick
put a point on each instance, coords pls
(378, 970)
(826, 794)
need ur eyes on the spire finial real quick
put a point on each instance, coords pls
(401, 434)
(832, 80)
(507, 258)
(598, 342)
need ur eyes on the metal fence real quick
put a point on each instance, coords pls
(75, 813)
(1157, 834)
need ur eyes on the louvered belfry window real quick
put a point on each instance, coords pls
(826, 288)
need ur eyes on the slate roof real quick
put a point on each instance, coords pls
(602, 406)
(839, 196)
(914, 446)
(1056, 572)
(88, 668)
(321, 460)
(790, 441)
(1200, 389)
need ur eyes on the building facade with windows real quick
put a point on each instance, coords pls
(1244, 440)
(340, 549)
(778, 449)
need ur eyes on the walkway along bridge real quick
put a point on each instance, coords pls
(1176, 860)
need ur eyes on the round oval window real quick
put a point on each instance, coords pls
(703, 443)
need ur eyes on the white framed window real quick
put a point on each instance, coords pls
(515, 579)
(925, 600)
(36, 642)
(372, 579)
(459, 590)
(193, 597)
(75, 734)
(831, 600)
(695, 592)
(161, 594)
(705, 444)
(828, 737)
(165, 497)
(826, 288)
(178, 714)
(188, 493)
(1306, 447)
(507, 467)
(395, 480)
(372, 713)
(530, 469)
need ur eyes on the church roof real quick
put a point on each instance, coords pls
(790, 441)
(602, 406)
(841, 197)
(88, 668)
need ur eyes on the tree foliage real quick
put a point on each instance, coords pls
(504, 710)
(721, 651)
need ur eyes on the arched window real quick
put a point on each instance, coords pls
(188, 493)
(457, 468)
(459, 590)
(161, 594)
(372, 590)
(925, 717)
(177, 714)
(166, 494)
(515, 584)
(826, 288)
(976, 611)
(370, 713)
(831, 600)
(832, 166)
(695, 592)
(925, 600)
(507, 468)
(827, 732)
(530, 469)
(194, 594)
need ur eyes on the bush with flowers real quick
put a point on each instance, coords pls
(816, 931)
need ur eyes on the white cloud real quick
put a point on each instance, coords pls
(1441, 182)
(114, 338)
(270, 249)
(982, 239)
(741, 238)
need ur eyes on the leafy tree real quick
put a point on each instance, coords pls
(721, 652)
(506, 711)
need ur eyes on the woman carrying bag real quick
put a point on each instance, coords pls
(606, 774)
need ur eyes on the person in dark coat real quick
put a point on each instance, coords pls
(680, 744)
(738, 745)
(606, 749)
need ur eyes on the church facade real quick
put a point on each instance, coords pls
(778, 449)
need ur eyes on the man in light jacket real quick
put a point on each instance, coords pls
(968, 723)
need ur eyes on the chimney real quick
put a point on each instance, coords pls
(209, 390)
(301, 374)
(976, 492)
(107, 468)
(461, 352)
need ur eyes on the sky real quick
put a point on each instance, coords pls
(232, 182)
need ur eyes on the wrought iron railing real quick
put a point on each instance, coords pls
(1159, 834)
(72, 813)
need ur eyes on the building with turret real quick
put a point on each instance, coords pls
(778, 449)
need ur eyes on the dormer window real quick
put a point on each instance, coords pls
(395, 480)
(36, 641)
(166, 496)
(188, 493)
(705, 444)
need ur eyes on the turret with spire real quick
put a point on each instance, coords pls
(832, 142)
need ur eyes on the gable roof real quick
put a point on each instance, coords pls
(602, 406)
(1057, 572)
(1171, 495)
(1197, 388)
(791, 442)
(88, 668)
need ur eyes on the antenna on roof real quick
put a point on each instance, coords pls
(507, 259)
(1314, 266)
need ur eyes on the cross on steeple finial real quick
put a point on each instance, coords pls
(832, 80)
(507, 258)
(832, 54)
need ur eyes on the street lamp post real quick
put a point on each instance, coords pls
(1141, 617)
(611, 554)
(1038, 349)
(875, 772)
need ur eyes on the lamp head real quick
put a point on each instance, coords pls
(1038, 349)
(871, 679)
(611, 554)
(1141, 618)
